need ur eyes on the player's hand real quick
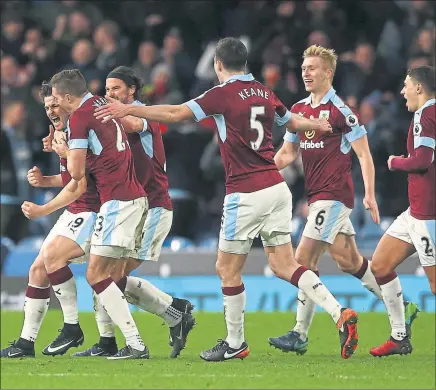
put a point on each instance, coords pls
(115, 109)
(324, 126)
(47, 141)
(371, 204)
(32, 210)
(390, 161)
(59, 144)
(34, 177)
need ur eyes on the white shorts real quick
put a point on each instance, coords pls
(78, 228)
(417, 232)
(116, 225)
(326, 219)
(267, 212)
(152, 236)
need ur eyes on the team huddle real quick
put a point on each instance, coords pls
(118, 210)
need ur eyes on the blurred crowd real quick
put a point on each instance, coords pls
(171, 46)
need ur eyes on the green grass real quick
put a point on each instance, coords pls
(320, 367)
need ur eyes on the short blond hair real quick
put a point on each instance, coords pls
(328, 55)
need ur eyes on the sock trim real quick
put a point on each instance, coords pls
(37, 292)
(60, 276)
(386, 279)
(233, 290)
(102, 285)
(295, 278)
(122, 283)
(359, 274)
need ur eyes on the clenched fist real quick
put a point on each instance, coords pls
(34, 177)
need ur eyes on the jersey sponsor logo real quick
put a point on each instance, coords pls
(309, 134)
(311, 145)
(351, 120)
(417, 129)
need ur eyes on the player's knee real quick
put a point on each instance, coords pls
(38, 274)
(346, 264)
(379, 268)
(52, 260)
(118, 271)
(93, 273)
(227, 273)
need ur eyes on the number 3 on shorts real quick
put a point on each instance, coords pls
(98, 225)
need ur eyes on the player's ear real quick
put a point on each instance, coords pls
(419, 88)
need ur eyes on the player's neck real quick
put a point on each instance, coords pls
(317, 96)
(227, 75)
(424, 98)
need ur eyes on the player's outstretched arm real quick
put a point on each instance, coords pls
(301, 124)
(361, 148)
(132, 124)
(286, 155)
(70, 193)
(161, 113)
(36, 179)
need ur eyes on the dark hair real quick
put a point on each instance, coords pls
(45, 90)
(232, 53)
(424, 75)
(131, 79)
(70, 81)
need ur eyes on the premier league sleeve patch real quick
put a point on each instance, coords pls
(417, 129)
(351, 120)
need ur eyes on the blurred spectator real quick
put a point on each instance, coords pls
(13, 79)
(272, 78)
(73, 27)
(319, 38)
(181, 66)
(12, 36)
(106, 39)
(14, 126)
(82, 55)
(363, 73)
(147, 58)
(160, 92)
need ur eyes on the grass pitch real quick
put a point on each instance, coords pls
(320, 367)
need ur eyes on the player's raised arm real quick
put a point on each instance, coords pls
(297, 123)
(70, 193)
(133, 124)
(288, 152)
(361, 148)
(161, 113)
(36, 179)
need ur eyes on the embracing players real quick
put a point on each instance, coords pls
(415, 229)
(257, 201)
(148, 153)
(327, 168)
(69, 239)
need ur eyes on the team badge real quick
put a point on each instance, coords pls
(324, 114)
(351, 120)
(417, 129)
(301, 113)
